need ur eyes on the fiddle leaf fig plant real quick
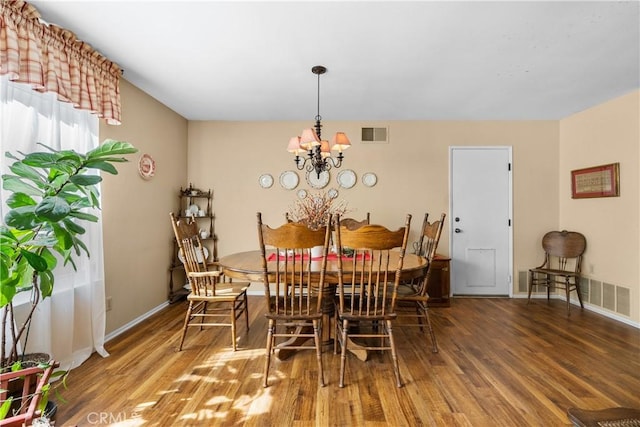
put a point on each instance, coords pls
(51, 195)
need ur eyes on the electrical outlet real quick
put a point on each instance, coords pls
(108, 303)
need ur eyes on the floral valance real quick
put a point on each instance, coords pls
(52, 59)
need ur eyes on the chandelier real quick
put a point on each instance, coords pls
(318, 151)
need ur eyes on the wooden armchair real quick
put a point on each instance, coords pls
(372, 304)
(562, 264)
(212, 302)
(413, 296)
(294, 296)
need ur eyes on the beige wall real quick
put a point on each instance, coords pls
(412, 171)
(607, 133)
(137, 232)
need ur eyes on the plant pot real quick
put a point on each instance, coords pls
(26, 395)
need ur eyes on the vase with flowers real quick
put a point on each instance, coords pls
(314, 211)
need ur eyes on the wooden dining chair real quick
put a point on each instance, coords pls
(212, 301)
(562, 264)
(293, 295)
(352, 223)
(372, 304)
(413, 296)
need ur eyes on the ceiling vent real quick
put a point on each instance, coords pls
(375, 135)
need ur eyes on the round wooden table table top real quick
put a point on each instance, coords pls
(248, 266)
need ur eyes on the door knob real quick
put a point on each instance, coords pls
(457, 230)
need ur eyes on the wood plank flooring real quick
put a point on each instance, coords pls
(501, 363)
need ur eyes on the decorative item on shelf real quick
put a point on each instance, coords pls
(314, 210)
(302, 193)
(332, 193)
(318, 151)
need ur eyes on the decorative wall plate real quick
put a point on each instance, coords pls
(146, 166)
(302, 193)
(289, 180)
(332, 193)
(346, 178)
(369, 179)
(266, 180)
(318, 182)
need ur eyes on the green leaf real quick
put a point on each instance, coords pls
(84, 215)
(85, 180)
(6, 406)
(36, 261)
(16, 185)
(28, 172)
(79, 244)
(48, 256)
(7, 290)
(46, 283)
(53, 209)
(102, 165)
(22, 218)
(73, 227)
(110, 147)
(65, 240)
(17, 200)
(41, 160)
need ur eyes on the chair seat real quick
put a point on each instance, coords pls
(223, 293)
(554, 272)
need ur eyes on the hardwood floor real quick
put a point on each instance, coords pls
(501, 363)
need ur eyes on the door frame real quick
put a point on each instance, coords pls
(509, 149)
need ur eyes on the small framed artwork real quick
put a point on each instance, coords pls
(597, 181)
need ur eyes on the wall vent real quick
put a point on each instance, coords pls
(375, 135)
(609, 296)
(623, 301)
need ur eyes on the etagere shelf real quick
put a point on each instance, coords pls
(197, 204)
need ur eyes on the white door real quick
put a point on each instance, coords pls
(480, 220)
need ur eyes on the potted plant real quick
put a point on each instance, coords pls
(51, 194)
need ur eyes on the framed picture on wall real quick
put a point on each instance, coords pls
(597, 181)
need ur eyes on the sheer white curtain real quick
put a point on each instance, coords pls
(70, 325)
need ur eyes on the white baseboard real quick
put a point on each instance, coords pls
(587, 306)
(134, 322)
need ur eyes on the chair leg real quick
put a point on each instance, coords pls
(343, 356)
(530, 286)
(577, 280)
(316, 337)
(233, 326)
(567, 288)
(204, 313)
(394, 355)
(186, 325)
(270, 332)
(246, 311)
(434, 343)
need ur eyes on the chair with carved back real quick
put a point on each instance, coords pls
(212, 302)
(413, 296)
(562, 266)
(352, 223)
(372, 304)
(293, 295)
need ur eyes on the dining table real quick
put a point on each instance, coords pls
(247, 266)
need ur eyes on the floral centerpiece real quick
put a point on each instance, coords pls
(314, 210)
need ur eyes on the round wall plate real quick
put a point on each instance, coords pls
(266, 180)
(302, 193)
(346, 178)
(289, 180)
(369, 179)
(316, 181)
(332, 193)
(146, 166)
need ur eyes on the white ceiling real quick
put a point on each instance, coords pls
(238, 60)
